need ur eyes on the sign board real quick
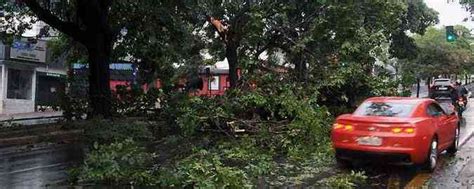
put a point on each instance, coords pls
(53, 75)
(29, 51)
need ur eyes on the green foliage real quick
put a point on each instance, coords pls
(247, 158)
(437, 56)
(75, 102)
(351, 180)
(279, 121)
(99, 131)
(205, 170)
(117, 163)
(242, 154)
(126, 101)
(349, 85)
(134, 102)
(14, 21)
(306, 119)
(190, 114)
(73, 108)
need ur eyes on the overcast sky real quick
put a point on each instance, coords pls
(450, 13)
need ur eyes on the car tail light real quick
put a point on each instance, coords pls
(349, 128)
(408, 130)
(338, 126)
(396, 130)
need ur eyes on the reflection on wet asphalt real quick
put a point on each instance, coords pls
(37, 166)
(458, 171)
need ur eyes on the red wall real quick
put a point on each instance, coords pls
(115, 83)
(223, 85)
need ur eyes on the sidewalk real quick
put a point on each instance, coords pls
(32, 115)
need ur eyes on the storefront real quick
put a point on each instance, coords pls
(49, 87)
(18, 75)
(17, 89)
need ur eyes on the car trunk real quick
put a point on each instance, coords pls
(441, 86)
(376, 123)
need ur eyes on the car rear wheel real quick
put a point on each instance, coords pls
(432, 159)
(454, 147)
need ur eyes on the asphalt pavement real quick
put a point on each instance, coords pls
(458, 171)
(37, 166)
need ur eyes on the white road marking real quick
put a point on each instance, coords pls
(464, 141)
(34, 168)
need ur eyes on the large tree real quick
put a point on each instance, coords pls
(316, 33)
(438, 57)
(146, 32)
(242, 28)
(87, 22)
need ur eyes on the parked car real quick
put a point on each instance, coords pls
(396, 130)
(441, 88)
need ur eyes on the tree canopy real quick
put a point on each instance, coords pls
(310, 38)
(437, 56)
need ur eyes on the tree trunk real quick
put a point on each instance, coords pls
(99, 77)
(428, 83)
(418, 88)
(232, 59)
(300, 68)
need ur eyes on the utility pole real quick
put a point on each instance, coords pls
(418, 87)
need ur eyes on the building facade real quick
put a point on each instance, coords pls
(215, 81)
(212, 81)
(26, 77)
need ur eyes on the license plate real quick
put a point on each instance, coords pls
(369, 141)
(443, 88)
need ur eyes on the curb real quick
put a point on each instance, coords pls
(56, 135)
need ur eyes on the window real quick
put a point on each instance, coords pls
(442, 82)
(19, 84)
(446, 104)
(227, 83)
(434, 110)
(214, 83)
(385, 109)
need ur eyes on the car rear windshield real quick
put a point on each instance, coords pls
(442, 82)
(385, 109)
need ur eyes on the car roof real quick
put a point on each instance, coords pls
(444, 79)
(407, 100)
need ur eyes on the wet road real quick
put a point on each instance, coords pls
(37, 166)
(458, 171)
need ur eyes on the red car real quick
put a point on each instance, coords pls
(397, 130)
